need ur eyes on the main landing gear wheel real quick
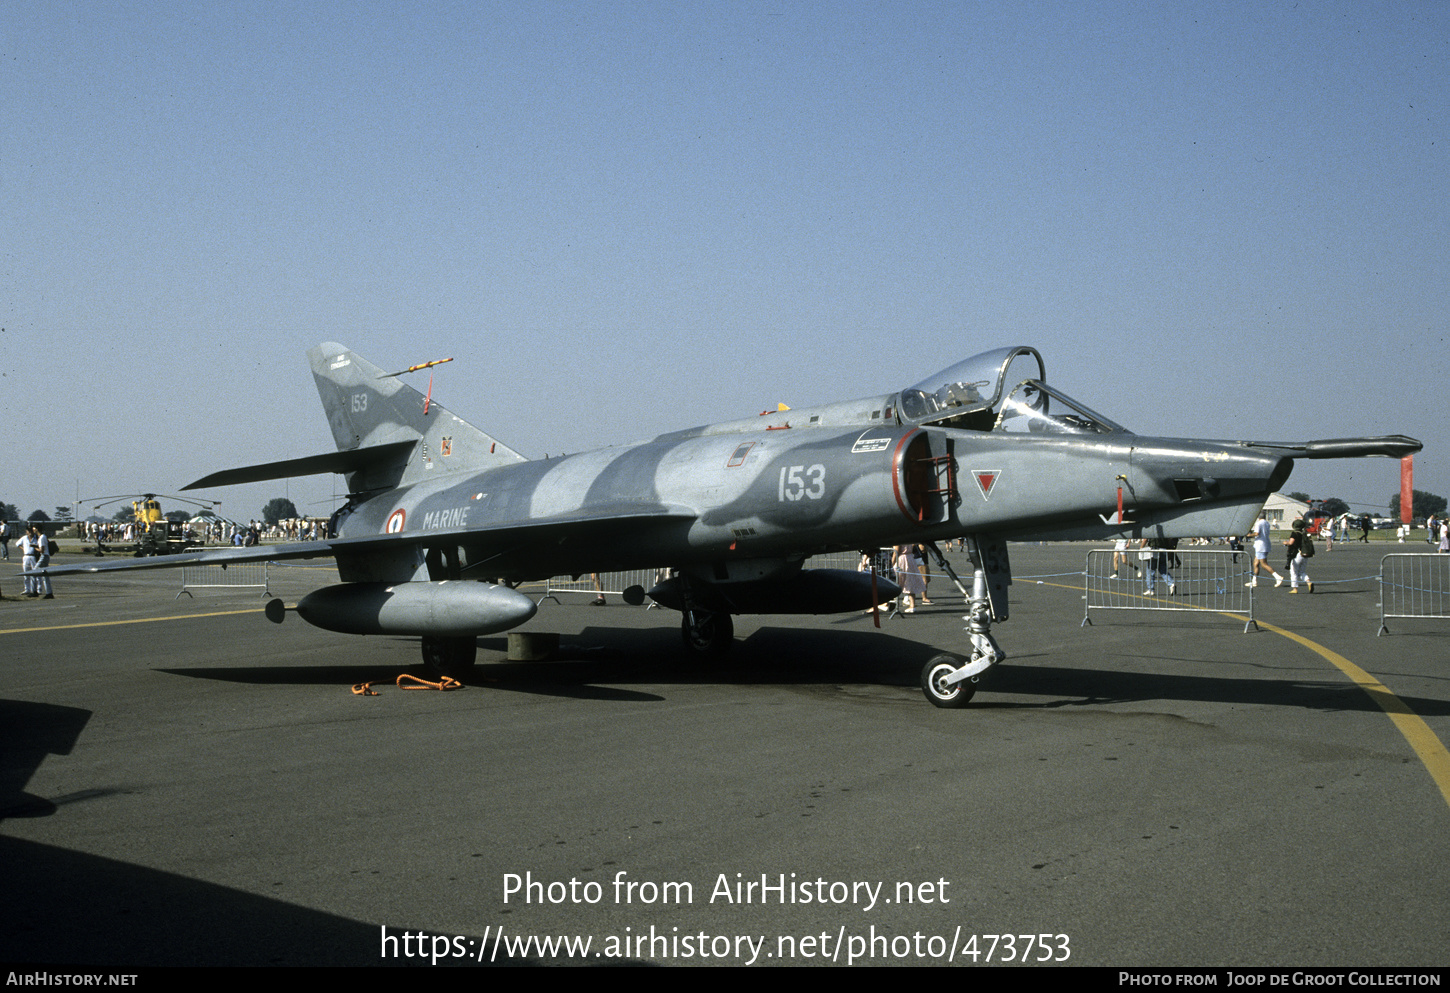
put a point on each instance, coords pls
(940, 694)
(707, 633)
(453, 657)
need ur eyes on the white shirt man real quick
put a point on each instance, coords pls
(29, 554)
(42, 583)
(1261, 555)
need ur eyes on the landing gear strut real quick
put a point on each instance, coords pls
(453, 657)
(946, 680)
(706, 632)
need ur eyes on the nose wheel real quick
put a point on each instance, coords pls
(942, 694)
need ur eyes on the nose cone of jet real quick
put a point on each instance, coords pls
(1178, 470)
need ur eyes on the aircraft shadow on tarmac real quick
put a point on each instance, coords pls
(613, 656)
(28, 733)
(71, 908)
(1096, 687)
(593, 665)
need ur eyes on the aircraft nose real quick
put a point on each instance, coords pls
(1178, 471)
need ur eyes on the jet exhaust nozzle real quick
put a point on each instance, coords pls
(448, 608)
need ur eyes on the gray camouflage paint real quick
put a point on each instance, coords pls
(435, 498)
(775, 488)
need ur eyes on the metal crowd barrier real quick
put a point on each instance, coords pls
(835, 560)
(236, 575)
(610, 584)
(1414, 585)
(1183, 579)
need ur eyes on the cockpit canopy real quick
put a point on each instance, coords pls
(1003, 390)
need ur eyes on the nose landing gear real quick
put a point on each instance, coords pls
(946, 680)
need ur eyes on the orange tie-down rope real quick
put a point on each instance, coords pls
(412, 683)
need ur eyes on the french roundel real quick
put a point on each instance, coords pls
(395, 522)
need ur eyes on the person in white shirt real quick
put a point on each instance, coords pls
(1261, 554)
(42, 560)
(29, 553)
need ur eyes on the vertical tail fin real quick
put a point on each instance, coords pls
(367, 409)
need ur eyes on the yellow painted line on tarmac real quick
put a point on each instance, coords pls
(1430, 749)
(138, 620)
(1427, 746)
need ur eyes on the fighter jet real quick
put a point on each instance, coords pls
(443, 521)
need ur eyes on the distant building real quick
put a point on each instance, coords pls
(1281, 511)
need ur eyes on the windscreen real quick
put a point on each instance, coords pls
(1001, 390)
(1036, 408)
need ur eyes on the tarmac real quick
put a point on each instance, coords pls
(185, 783)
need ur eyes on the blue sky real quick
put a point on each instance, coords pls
(1214, 220)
